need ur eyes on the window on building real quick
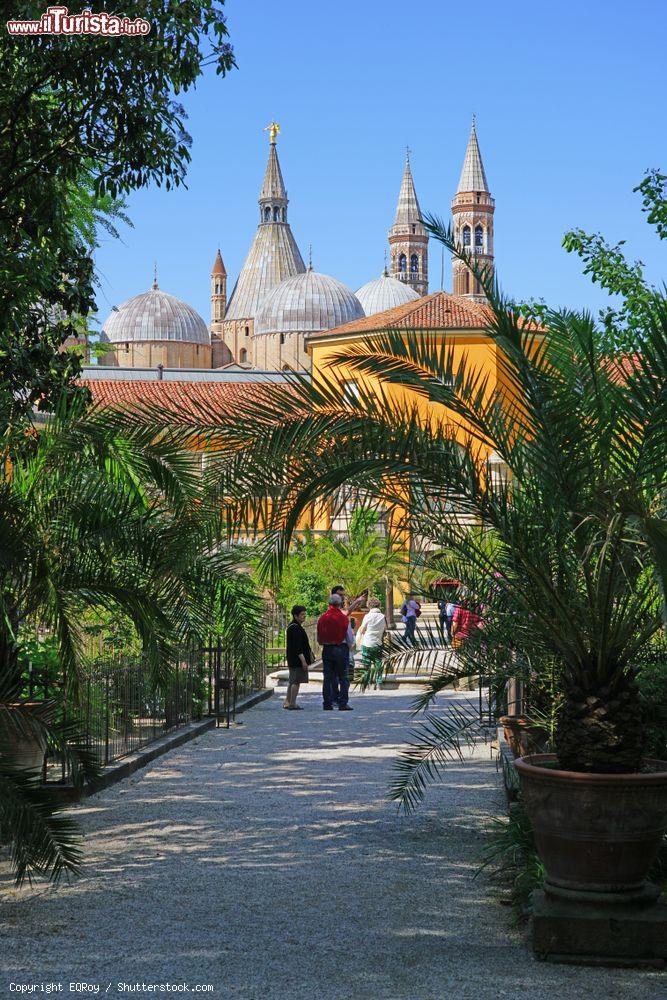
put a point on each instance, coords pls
(243, 356)
(479, 197)
(414, 228)
(282, 338)
(127, 348)
(466, 236)
(276, 215)
(247, 331)
(267, 214)
(467, 282)
(402, 263)
(479, 237)
(414, 264)
(284, 215)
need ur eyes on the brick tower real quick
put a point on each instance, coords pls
(408, 239)
(472, 211)
(218, 292)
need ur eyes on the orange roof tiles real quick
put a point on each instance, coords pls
(181, 398)
(438, 311)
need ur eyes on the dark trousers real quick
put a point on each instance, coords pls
(335, 664)
(410, 625)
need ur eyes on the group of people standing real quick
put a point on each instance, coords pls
(335, 634)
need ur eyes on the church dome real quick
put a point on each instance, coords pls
(384, 293)
(307, 303)
(154, 316)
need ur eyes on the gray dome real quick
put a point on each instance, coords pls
(155, 315)
(384, 293)
(307, 303)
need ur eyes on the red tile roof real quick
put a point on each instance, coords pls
(438, 311)
(181, 398)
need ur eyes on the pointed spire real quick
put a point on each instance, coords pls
(385, 272)
(407, 210)
(273, 188)
(154, 286)
(310, 256)
(218, 265)
(473, 177)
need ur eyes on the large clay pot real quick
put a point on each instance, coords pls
(596, 833)
(28, 749)
(357, 618)
(523, 736)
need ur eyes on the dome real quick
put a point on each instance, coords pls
(155, 315)
(385, 293)
(307, 303)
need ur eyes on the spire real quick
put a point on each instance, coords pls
(154, 286)
(408, 239)
(473, 177)
(310, 256)
(274, 254)
(273, 188)
(407, 210)
(218, 265)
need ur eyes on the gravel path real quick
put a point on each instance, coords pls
(267, 862)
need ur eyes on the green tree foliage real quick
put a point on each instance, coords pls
(101, 519)
(364, 560)
(607, 265)
(83, 121)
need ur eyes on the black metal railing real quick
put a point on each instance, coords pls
(119, 709)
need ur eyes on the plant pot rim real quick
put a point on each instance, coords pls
(534, 765)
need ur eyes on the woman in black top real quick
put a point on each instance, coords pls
(299, 656)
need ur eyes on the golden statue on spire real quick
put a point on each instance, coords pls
(273, 128)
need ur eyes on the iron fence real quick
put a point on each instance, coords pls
(119, 708)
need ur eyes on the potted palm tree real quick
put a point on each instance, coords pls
(565, 468)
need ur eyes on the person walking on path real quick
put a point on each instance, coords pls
(464, 624)
(410, 611)
(332, 634)
(299, 656)
(371, 633)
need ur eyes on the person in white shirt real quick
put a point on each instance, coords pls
(370, 634)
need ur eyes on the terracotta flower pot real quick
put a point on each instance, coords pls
(28, 749)
(357, 617)
(596, 833)
(523, 736)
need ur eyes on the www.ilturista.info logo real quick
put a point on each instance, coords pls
(58, 21)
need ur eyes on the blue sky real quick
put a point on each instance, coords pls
(570, 105)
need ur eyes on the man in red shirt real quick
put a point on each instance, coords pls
(332, 635)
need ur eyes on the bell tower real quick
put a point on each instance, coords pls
(472, 222)
(408, 239)
(218, 290)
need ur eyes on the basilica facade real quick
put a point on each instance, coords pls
(278, 303)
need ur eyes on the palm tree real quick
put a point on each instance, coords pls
(97, 512)
(577, 515)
